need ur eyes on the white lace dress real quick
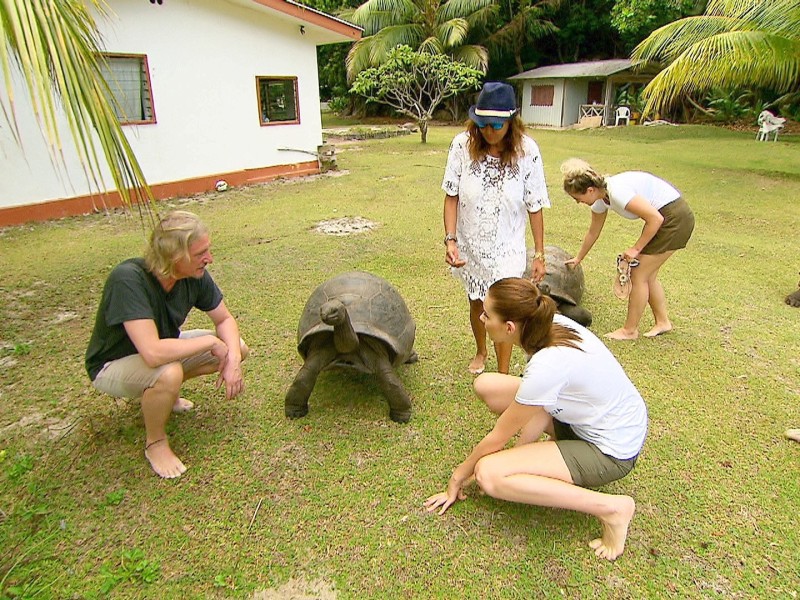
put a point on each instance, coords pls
(493, 206)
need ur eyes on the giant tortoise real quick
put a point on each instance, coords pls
(356, 320)
(564, 284)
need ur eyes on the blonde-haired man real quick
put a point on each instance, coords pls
(137, 349)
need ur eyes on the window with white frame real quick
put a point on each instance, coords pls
(128, 79)
(277, 100)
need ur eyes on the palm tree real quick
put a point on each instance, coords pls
(430, 26)
(523, 22)
(734, 44)
(54, 45)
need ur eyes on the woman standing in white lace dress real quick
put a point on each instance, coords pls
(494, 184)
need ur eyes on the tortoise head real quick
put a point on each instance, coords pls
(333, 313)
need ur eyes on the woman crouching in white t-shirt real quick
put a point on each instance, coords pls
(574, 390)
(668, 225)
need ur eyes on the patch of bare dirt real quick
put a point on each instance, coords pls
(299, 589)
(345, 226)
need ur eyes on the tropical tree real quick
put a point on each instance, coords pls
(636, 19)
(521, 22)
(415, 83)
(432, 26)
(54, 48)
(735, 44)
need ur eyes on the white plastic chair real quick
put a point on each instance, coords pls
(622, 113)
(768, 123)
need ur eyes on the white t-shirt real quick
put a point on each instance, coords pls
(588, 390)
(624, 186)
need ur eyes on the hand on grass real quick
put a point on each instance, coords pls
(446, 499)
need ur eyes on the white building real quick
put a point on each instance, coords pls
(213, 89)
(560, 95)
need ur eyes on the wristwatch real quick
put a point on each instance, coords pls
(539, 256)
(450, 237)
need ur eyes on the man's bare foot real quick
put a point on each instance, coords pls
(163, 460)
(658, 330)
(477, 364)
(182, 405)
(615, 529)
(793, 434)
(622, 334)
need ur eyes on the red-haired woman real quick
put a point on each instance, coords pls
(574, 390)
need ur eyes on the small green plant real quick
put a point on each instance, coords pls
(133, 568)
(338, 104)
(21, 349)
(115, 498)
(730, 105)
(23, 463)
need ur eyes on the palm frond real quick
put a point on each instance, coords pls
(452, 33)
(372, 51)
(55, 47)
(473, 56)
(456, 9)
(374, 15)
(668, 42)
(740, 59)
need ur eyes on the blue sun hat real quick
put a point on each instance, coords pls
(496, 104)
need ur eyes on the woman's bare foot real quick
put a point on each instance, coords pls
(477, 364)
(163, 459)
(182, 405)
(658, 329)
(793, 434)
(622, 334)
(615, 529)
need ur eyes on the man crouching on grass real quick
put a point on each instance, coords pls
(137, 349)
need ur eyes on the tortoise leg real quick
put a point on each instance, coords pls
(389, 382)
(576, 313)
(413, 358)
(793, 299)
(320, 355)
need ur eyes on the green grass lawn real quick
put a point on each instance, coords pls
(331, 504)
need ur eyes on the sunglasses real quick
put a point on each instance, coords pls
(495, 126)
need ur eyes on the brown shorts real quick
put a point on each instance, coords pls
(130, 377)
(587, 465)
(676, 229)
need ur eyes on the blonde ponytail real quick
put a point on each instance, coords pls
(580, 176)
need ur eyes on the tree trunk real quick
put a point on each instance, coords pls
(423, 131)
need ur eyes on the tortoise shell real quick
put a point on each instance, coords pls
(375, 308)
(566, 284)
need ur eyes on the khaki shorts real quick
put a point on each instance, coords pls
(129, 377)
(675, 231)
(587, 465)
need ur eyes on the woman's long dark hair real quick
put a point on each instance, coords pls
(512, 142)
(519, 300)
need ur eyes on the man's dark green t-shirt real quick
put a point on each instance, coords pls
(132, 292)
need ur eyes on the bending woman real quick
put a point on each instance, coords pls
(494, 185)
(574, 390)
(668, 225)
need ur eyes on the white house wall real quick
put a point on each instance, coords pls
(203, 57)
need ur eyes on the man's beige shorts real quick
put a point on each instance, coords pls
(129, 377)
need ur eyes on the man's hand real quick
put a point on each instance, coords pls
(231, 374)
